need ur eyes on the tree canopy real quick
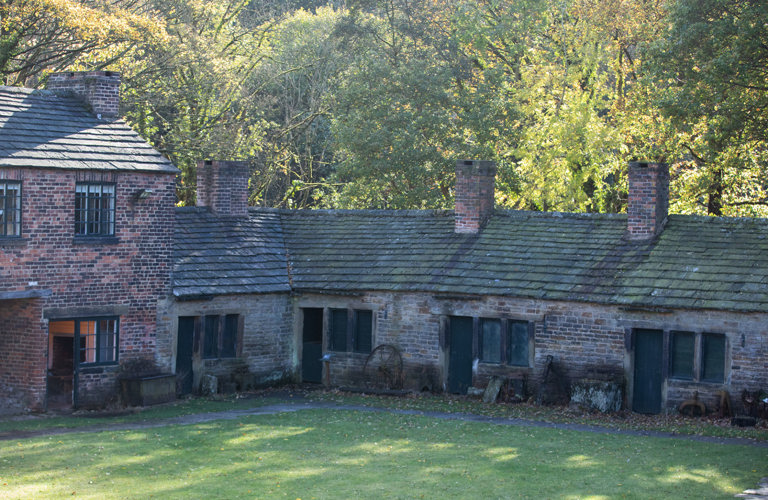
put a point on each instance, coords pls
(369, 103)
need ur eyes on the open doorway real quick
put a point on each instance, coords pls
(61, 364)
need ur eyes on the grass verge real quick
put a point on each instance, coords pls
(674, 423)
(92, 418)
(354, 454)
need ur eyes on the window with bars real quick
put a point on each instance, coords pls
(98, 340)
(10, 208)
(94, 209)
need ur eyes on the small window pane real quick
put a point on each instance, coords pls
(490, 340)
(107, 341)
(363, 331)
(712, 358)
(338, 330)
(517, 350)
(682, 354)
(229, 336)
(211, 339)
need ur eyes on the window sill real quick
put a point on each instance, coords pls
(95, 240)
(12, 241)
(97, 368)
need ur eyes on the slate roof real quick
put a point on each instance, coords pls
(697, 262)
(41, 129)
(222, 256)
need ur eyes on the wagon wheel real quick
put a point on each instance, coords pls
(384, 368)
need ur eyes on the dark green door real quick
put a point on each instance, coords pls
(649, 353)
(184, 346)
(460, 355)
(312, 345)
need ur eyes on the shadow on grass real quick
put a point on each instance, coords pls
(344, 454)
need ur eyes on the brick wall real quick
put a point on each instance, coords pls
(23, 337)
(474, 194)
(124, 275)
(648, 201)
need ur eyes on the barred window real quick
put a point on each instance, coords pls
(10, 208)
(94, 209)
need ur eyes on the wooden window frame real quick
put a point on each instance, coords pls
(97, 346)
(224, 330)
(10, 226)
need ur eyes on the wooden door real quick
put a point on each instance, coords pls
(184, 350)
(460, 354)
(648, 373)
(312, 345)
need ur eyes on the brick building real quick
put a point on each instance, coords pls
(86, 219)
(662, 305)
(97, 268)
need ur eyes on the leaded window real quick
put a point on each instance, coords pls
(518, 342)
(712, 357)
(337, 330)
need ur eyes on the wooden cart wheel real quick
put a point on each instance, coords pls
(384, 368)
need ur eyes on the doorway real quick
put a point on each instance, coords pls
(61, 364)
(184, 350)
(460, 337)
(312, 345)
(648, 372)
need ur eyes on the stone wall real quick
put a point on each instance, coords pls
(267, 343)
(586, 342)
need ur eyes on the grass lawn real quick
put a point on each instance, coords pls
(355, 454)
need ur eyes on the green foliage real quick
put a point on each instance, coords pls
(296, 84)
(710, 77)
(369, 103)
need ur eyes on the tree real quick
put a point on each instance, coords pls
(297, 80)
(710, 75)
(39, 36)
(189, 96)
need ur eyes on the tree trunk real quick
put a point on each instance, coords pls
(715, 202)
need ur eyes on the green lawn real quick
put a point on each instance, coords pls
(355, 454)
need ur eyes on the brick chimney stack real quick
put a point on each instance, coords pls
(99, 89)
(648, 203)
(474, 194)
(222, 186)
